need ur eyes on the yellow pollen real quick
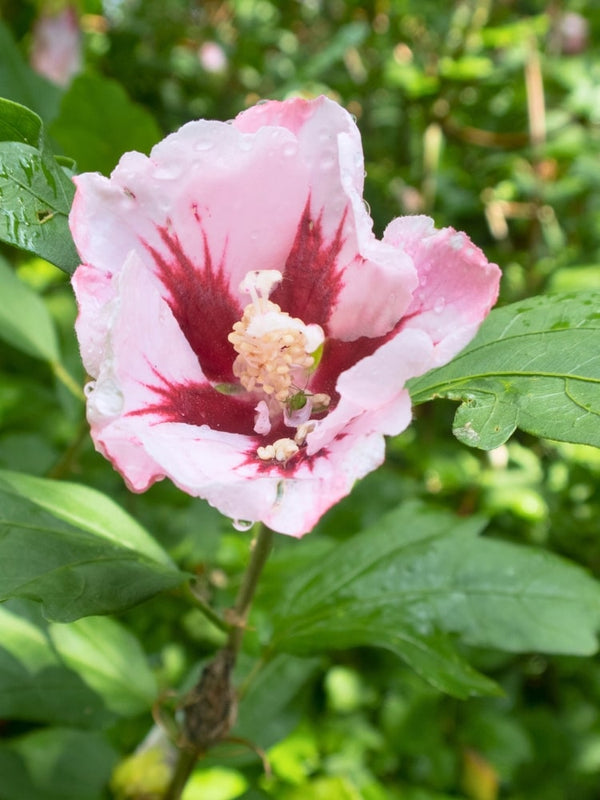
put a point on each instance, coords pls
(269, 356)
(281, 450)
(302, 432)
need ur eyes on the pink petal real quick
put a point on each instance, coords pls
(330, 146)
(147, 378)
(193, 185)
(371, 385)
(457, 285)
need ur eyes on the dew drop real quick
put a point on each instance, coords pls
(290, 149)
(89, 388)
(440, 305)
(242, 524)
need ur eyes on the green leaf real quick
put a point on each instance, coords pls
(421, 575)
(75, 566)
(78, 673)
(19, 124)
(35, 684)
(98, 123)
(24, 319)
(55, 763)
(277, 686)
(18, 82)
(36, 199)
(533, 365)
(110, 661)
(87, 509)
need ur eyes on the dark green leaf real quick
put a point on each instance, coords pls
(75, 564)
(420, 575)
(533, 365)
(19, 124)
(36, 199)
(277, 687)
(98, 123)
(55, 763)
(20, 83)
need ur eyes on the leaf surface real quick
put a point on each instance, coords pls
(78, 673)
(421, 576)
(25, 322)
(534, 365)
(74, 568)
(98, 123)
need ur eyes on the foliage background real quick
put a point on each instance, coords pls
(486, 116)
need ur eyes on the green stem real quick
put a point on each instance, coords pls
(261, 547)
(67, 380)
(183, 769)
(208, 612)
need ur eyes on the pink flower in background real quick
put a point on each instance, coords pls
(247, 335)
(212, 57)
(56, 46)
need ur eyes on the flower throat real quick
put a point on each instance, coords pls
(276, 355)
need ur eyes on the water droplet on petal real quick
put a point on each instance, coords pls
(440, 305)
(290, 149)
(242, 524)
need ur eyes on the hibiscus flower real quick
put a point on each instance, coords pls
(247, 334)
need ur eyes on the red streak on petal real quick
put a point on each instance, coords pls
(199, 404)
(312, 278)
(338, 356)
(201, 302)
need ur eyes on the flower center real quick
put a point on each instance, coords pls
(275, 358)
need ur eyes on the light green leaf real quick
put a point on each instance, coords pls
(98, 123)
(87, 509)
(215, 783)
(420, 575)
(24, 319)
(533, 365)
(109, 660)
(75, 566)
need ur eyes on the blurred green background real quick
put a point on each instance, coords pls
(485, 115)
